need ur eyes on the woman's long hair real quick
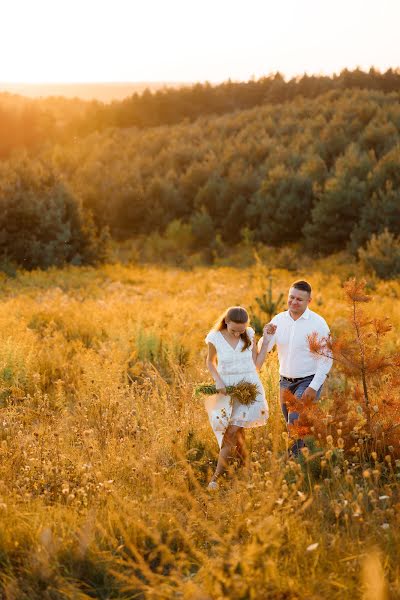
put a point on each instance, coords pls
(239, 315)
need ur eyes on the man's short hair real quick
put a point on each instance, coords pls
(302, 285)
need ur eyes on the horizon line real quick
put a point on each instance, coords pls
(202, 81)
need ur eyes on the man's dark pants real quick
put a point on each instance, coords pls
(296, 388)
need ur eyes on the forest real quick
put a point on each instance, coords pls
(311, 163)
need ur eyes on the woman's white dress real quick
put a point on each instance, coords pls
(235, 366)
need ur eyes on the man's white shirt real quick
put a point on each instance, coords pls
(295, 358)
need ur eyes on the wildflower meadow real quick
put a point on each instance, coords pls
(105, 449)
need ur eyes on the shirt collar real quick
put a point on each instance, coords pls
(306, 314)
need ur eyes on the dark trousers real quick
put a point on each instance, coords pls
(296, 388)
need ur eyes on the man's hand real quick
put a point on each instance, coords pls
(309, 394)
(269, 329)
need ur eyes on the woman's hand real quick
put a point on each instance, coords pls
(221, 387)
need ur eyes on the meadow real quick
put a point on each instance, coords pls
(105, 451)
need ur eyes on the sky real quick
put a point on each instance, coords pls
(193, 40)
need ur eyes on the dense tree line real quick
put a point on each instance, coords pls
(324, 173)
(27, 123)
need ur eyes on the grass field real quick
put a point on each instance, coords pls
(105, 452)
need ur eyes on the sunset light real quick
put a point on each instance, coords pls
(128, 40)
(199, 299)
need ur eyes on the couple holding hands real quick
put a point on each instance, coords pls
(233, 356)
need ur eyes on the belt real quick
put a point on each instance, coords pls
(295, 379)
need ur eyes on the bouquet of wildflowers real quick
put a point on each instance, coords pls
(244, 392)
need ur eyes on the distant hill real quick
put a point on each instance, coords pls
(105, 92)
(322, 172)
(27, 123)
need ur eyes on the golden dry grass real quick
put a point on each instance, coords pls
(105, 451)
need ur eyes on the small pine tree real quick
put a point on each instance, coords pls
(368, 407)
(266, 305)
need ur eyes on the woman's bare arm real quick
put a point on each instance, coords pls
(211, 364)
(259, 355)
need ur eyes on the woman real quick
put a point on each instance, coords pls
(232, 357)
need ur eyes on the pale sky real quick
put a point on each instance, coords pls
(192, 40)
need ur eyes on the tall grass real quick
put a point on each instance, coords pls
(105, 452)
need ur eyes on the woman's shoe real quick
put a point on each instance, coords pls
(213, 485)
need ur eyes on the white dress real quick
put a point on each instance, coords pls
(235, 366)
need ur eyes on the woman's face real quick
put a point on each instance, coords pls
(235, 329)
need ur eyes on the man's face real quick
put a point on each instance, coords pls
(298, 300)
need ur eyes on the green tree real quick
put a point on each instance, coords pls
(382, 255)
(380, 212)
(280, 209)
(41, 222)
(339, 205)
(203, 229)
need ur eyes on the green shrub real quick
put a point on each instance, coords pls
(382, 255)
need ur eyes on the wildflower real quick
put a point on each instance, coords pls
(374, 455)
(388, 458)
(384, 497)
(385, 525)
(366, 474)
(340, 442)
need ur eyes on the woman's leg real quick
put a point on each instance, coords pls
(229, 444)
(241, 446)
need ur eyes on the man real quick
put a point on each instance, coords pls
(300, 372)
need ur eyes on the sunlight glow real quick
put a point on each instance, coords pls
(191, 40)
